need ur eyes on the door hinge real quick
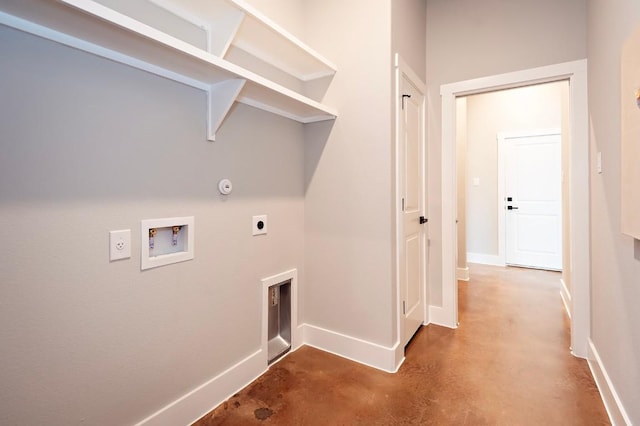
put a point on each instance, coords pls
(403, 204)
(404, 308)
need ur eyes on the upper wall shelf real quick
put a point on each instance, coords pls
(92, 27)
(234, 24)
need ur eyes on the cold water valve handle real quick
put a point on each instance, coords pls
(174, 238)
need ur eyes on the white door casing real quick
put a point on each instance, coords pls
(411, 191)
(530, 198)
(576, 72)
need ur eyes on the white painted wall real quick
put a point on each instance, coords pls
(516, 110)
(615, 288)
(468, 39)
(89, 146)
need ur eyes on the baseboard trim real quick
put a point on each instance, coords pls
(195, 404)
(566, 297)
(358, 350)
(485, 259)
(209, 395)
(200, 401)
(617, 414)
(463, 274)
(439, 316)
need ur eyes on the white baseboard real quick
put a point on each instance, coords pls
(358, 350)
(485, 259)
(463, 274)
(439, 316)
(566, 297)
(195, 404)
(612, 403)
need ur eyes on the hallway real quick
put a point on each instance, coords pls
(507, 364)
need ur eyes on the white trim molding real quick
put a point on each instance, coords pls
(441, 316)
(463, 274)
(576, 73)
(358, 350)
(486, 259)
(565, 294)
(617, 414)
(201, 400)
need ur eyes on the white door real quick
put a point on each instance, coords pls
(533, 201)
(412, 241)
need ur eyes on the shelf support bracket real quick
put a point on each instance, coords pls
(220, 99)
(221, 33)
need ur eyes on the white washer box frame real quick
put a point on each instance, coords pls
(187, 223)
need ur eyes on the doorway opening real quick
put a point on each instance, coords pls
(512, 149)
(578, 201)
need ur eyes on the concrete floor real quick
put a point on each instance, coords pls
(507, 364)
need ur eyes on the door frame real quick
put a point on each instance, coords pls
(402, 69)
(501, 140)
(576, 73)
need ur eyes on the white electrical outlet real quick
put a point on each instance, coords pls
(120, 244)
(259, 225)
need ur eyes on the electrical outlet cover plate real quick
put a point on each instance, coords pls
(120, 244)
(259, 225)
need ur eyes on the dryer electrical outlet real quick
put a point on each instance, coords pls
(259, 225)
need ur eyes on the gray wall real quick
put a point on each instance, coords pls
(615, 270)
(349, 202)
(468, 39)
(408, 32)
(348, 284)
(89, 146)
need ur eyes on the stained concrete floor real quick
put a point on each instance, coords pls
(508, 363)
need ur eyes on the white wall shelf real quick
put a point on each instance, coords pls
(234, 24)
(94, 28)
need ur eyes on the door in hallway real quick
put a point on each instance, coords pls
(533, 201)
(411, 173)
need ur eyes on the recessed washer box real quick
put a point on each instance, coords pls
(166, 241)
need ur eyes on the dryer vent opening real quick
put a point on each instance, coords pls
(279, 318)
